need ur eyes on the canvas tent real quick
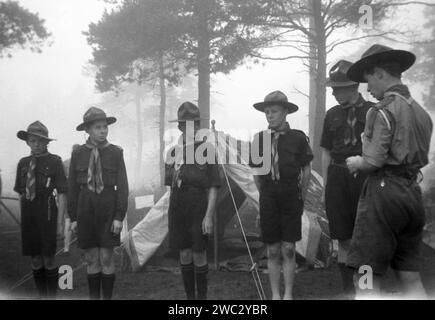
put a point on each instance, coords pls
(143, 240)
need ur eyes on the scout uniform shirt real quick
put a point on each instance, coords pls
(281, 204)
(342, 132)
(341, 136)
(95, 209)
(391, 216)
(189, 198)
(39, 216)
(398, 131)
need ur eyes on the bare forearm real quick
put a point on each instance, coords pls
(306, 176)
(62, 210)
(326, 161)
(212, 197)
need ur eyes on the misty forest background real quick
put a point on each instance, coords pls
(148, 56)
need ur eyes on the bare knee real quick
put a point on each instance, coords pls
(49, 262)
(106, 260)
(186, 256)
(92, 260)
(37, 262)
(288, 250)
(200, 258)
(274, 251)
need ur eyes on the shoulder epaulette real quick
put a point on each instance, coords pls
(385, 102)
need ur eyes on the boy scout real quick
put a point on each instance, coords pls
(396, 141)
(341, 139)
(98, 194)
(192, 203)
(38, 176)
(282, 190)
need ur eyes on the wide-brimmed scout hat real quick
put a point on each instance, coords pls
(94, 114)
(377, 54)
(338, 75)
(276, 98)
(188, 112)
(35, 129)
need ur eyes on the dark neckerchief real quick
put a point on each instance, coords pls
(283, 130)
(401, 89)
(100, 146)
(39, 155)
(359, 103)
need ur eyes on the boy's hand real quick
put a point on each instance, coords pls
(73, 227)
(116, 227)
(207, 225)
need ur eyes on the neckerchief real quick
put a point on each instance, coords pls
(30, 178)
(95, 172)
(349, 133)
(400, 89)
(274, 170)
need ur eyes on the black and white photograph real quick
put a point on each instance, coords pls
(238, 151)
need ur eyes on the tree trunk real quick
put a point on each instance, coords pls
(138, 165)
(317, 117)
(162, 119)
(203, 59)
(312, 65)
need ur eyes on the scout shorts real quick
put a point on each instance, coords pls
(388, 227)
(341, 200)
(281, 209)
(95, 215)
(187, 209)
(38, 226)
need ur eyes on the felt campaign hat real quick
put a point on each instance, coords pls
(377, 54)
(338, 75)
(35, 129)
(276, 98)
(188, 112)
(94, 114)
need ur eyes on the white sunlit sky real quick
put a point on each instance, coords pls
(54, 87)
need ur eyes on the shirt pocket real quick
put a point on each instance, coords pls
(110, 174)
(82, 174)
(45, 177)
(337, 123)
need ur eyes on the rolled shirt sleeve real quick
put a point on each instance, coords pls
(377, 138)
(306, 154)
(61, 181)
(326, 139)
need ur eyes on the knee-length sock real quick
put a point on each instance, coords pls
(94, 283)
(201, 281)
(52, 279)
(40, 282)
(187, 271)
(107, 283)
(347, 278)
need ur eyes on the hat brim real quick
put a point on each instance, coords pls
(24, 135)
(406, 60)
(333, 84)
(82, 127)
(185, 120)
(292, 108)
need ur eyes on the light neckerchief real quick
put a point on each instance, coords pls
(276, 133)
(31, 178)
(350, 137)
(95, 173)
